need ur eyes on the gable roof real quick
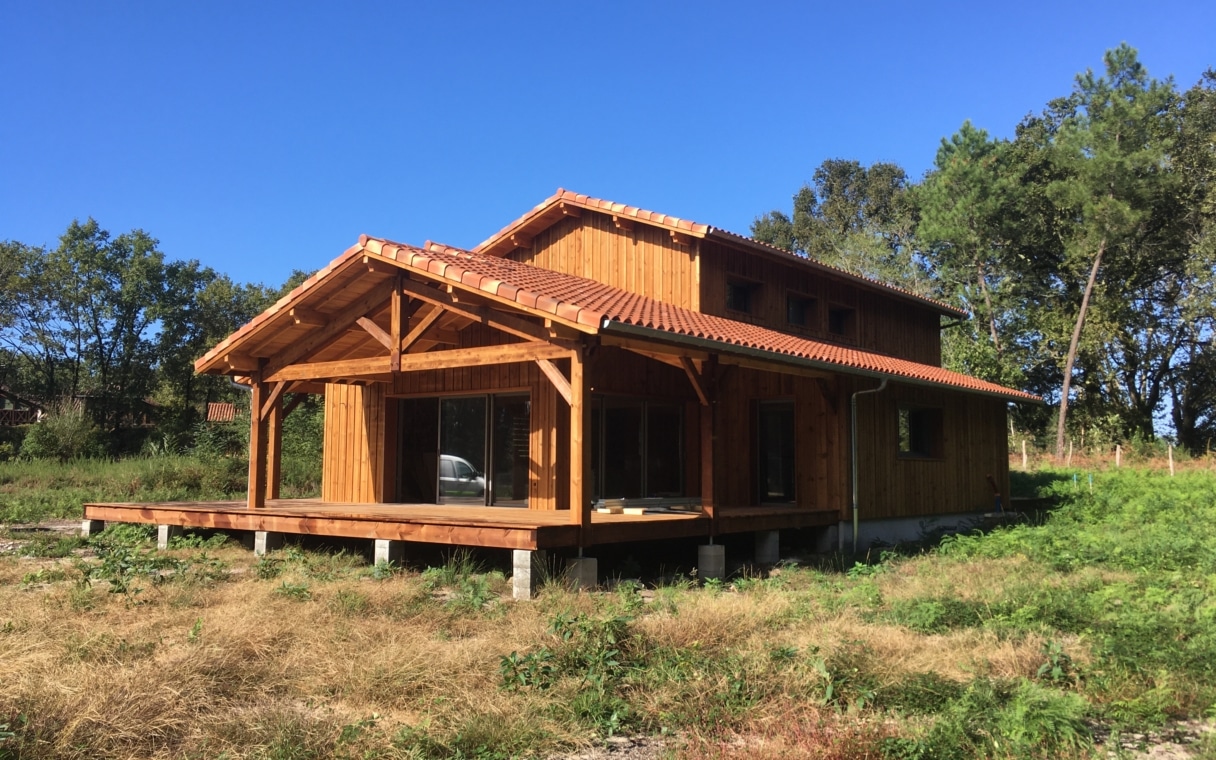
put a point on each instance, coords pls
(553, 209)
(593, 307)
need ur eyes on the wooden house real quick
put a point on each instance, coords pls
(596, 373)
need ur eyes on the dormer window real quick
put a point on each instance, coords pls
(741, 296)
(842, 322)
(801, 311)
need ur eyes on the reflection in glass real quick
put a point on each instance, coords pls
(462, 447)
(664, 460)
(622, 449)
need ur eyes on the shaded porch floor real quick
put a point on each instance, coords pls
(495, 527)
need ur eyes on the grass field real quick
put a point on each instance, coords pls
(1026, 642)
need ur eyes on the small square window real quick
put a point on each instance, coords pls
(800, 310)
(739, 296)
(842, 321)
(920, 432)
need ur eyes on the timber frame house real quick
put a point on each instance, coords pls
(596, 373)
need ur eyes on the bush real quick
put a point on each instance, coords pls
(65, 434)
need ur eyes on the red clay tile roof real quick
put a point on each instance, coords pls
(594, 307)
(578, 200)
(221, 411)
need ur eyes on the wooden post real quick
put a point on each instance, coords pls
(257, 441)
(1024, 467)
(274, 448)
(709, 371)
(1070, 453)
(1118, 455)
(1171, 455)
(580, 512)
(396, 326)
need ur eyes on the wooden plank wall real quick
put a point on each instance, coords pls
(821, 434)
(974, 445)
(643, 260)
(884, 324)
(353, 462)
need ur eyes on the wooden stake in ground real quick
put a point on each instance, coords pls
(1024, 467)
(1171, 455)
(1118, 455)
(1070, 453)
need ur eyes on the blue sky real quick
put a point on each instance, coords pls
(263, 137)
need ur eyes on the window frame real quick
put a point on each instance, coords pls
(759, 490)
(750, 288)
(809, 309)
(925, 436)
(849, 332)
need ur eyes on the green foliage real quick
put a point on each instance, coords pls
(297, 591)
(66, 433)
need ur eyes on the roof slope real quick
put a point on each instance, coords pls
(594, 307)
(550, 210)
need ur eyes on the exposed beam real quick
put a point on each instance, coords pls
(272, 398)
(694, 377)
(423, 324)
(680, 238)
(557, 378)
(397, 323)
(513, 325)
(337, 325)
(765, 366)
(658, 349)
(376, 331)
(669, 359)
(570, 211)
(623, 223)
(376, 264)
(240, 362)
(376, 367)
(256, 488)
(520, 240)
(302, 315)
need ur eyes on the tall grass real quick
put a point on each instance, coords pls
(1006, 645)
(33, 490)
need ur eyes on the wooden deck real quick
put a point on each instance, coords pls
(497, 527)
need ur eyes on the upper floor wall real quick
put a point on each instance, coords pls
(708, 276)
(794, 299)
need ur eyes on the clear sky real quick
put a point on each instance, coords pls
(261, 137)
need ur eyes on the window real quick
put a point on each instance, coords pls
(740, 296)
(775, 458)
(637, 448)
(842, 321)
(800, 310)
(920, 432)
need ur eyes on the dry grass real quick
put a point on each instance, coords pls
(323, 660)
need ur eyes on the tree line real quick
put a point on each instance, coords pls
(1084, 248)
(111, 323)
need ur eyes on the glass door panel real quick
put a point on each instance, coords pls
(509, 454)
(462, 450)
(776, 454)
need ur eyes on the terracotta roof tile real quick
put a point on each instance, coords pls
(595, 304)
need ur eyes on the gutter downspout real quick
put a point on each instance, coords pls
(853, 406)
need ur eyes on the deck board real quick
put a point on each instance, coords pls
(502, 527)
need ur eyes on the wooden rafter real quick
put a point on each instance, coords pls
(560, 383)
(623, 223)
(506, 323)
(302, 315)
(338, 324)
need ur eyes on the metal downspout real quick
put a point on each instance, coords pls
(853, 405)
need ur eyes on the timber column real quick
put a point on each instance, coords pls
(581, 572)
(257, 440)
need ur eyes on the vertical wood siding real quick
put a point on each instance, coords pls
(973, 446)
(883, 324)
(354, 447)
(643, 260)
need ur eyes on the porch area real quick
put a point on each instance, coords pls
(457, 525)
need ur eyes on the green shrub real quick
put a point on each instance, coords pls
(66, 433)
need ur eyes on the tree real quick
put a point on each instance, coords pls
(857, 218)
(1113, 152)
